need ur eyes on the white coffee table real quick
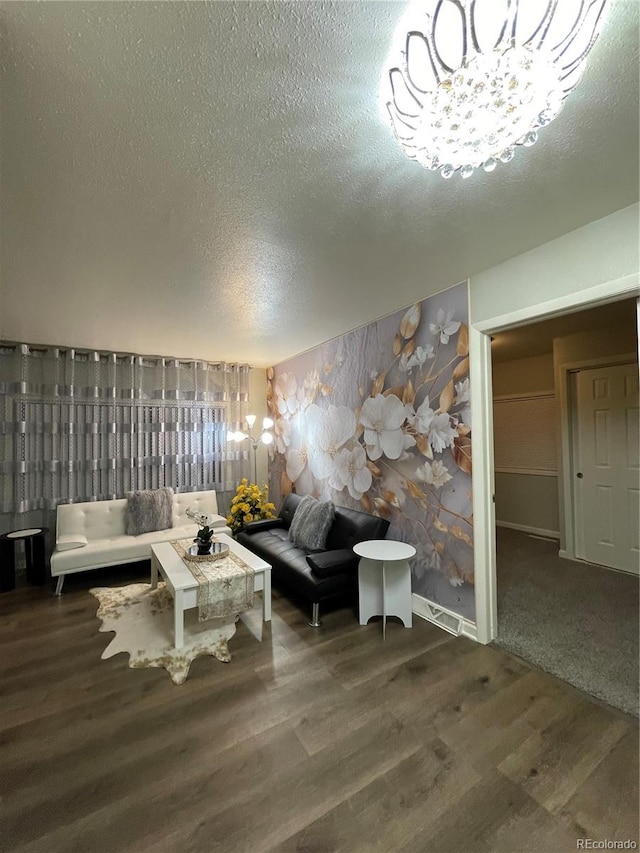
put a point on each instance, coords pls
(384, 580)
(184, 588)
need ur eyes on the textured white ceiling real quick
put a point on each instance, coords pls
(213, 180)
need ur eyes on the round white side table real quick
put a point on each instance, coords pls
(384, 580)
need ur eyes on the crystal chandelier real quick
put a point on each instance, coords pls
(467, 81)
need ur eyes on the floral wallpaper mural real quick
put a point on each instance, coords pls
(379, 420)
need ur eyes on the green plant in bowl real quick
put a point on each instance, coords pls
(204, 535)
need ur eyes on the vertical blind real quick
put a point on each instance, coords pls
(85, 425)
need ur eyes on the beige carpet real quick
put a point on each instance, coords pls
(142, 619)
(574, 620)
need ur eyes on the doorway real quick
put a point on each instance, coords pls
(480, 334)
(572, 617)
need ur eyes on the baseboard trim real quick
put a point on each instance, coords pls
(449, 621)
(536, 531)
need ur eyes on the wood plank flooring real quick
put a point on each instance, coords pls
(315, 741)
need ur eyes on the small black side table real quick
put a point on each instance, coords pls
(34, 549)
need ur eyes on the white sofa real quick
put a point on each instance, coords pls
(93, 535)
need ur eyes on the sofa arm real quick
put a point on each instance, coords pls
(70, 541)
(216, 522)
(328, 563)
(263, 524)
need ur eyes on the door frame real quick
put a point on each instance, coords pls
(482, 427)
(567, 412)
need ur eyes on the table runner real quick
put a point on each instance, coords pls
(225, 587)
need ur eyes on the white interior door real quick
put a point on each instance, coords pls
(606, 467)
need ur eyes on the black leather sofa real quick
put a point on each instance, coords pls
(317, 575)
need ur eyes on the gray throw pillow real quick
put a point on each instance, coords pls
(311, 531)
(302, 511)
(148, 510)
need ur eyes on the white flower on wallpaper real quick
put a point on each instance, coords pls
(393, 487)
(416, 359)
(297, 453)
(427, 557)
(379, 420)
(308, 391)
(441, 432)
(434, 473)
(445, 326)
(463, 398)
(282, 434)
(462, 392)
(382, 419)
(438, 428)
(286, 388)
(351, 472)
(332, 429)
(421, 419)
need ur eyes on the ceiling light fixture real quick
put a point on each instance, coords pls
(467, 81)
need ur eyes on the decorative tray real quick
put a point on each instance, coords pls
(217, 551)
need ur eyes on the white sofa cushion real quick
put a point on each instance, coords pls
(93, 519)
(202, 502)
(116, 549)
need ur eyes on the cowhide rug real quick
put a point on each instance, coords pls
(142, 619)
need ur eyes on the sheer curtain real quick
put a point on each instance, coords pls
(84, 425)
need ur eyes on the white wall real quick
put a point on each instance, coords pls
(523, 375)
(258, 407)
(601, 252)
(526, 501)
(595, 344)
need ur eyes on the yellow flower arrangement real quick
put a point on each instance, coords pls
(249, 504)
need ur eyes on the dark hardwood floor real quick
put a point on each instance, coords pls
(316, 741)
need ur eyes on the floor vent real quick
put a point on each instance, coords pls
(449, 621)
(444, 619)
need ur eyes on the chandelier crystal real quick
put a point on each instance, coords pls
(467, 81)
